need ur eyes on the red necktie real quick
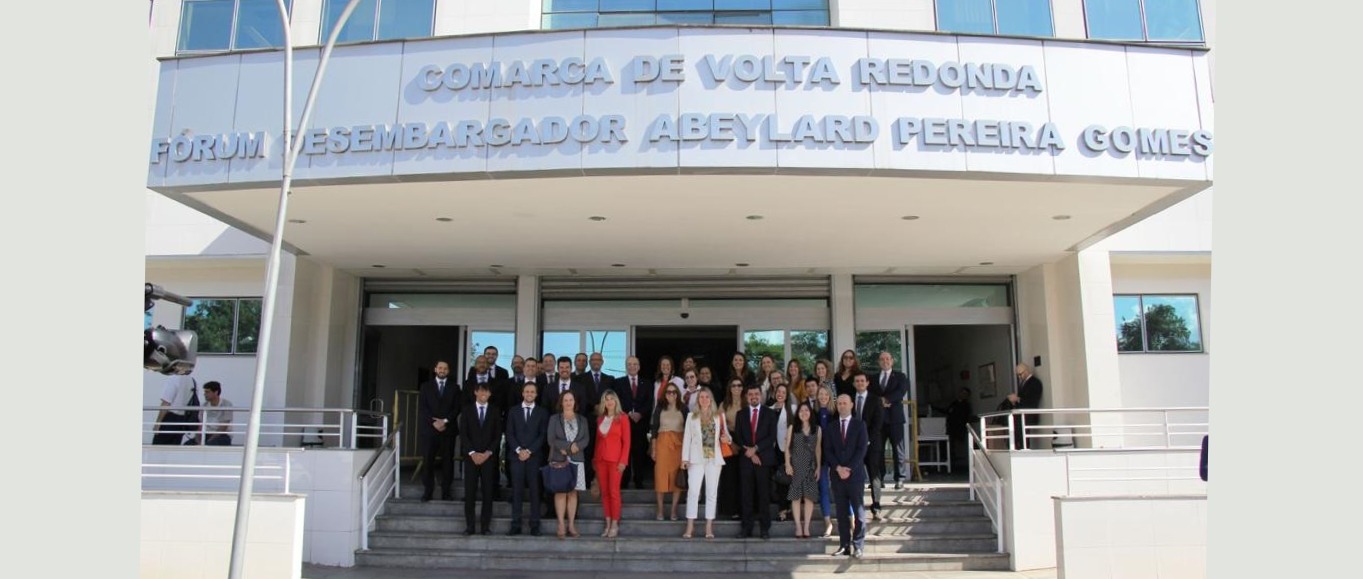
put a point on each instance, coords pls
(634, 386)
(754, 426)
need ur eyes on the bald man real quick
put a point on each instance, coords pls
(1027, 396)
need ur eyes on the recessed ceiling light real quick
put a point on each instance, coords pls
(597, 218)
(444, 219)
(378, 266)
(1060, 217)
(755, 218)
(741, 264)
(300, 221)
(986, 263)
(496, 265)
(909, 218)
(617, 265)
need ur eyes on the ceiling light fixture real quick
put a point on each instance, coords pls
(1060, 217)
(909, 218)
(444, 219)
(986, 263)
(378, 266)
(298, 221)
(496, 265)
(741, 264)
(754, 218)
(597, 218)
(617, 265)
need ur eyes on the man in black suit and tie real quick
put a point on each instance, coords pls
(527, 427)
(757, 442)
(437, 411)
(894, 386)
(480, 429)
(867, 407)
(1027, 396)
(564, 381)
(844, 453)
(579, 364)
(636, 402)
(496, 372)
(595, 382)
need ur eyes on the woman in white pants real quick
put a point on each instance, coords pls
(702, 459)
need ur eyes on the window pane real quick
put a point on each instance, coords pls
(206, 25)
(800, 5)
(571, 20)
(485, 301)
(570, 6)
(505, 342)
(742, 4)
(965, 16)
(248, 326)
(1127, 311)
(1114, 19)
(360, 26)
(871, 344)
(758, 18)
(1171, 324)
(678, 5)
(562, 344)
(258, 25)
(686, 18)
(800, 18)
(212, 321)
(764, 343)
(808, 347)
(1025, 17)
(611, 344)
(625, 19)
(629, 5)
(405, 18)
(1172, 20)
(931, 296)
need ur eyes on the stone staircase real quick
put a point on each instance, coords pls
(925, 527)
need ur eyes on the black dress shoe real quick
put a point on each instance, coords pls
(513, 532)
(842, 552)
(468, 532)
(535, 532)
(425, 498)
(743, 535)
(765, 535)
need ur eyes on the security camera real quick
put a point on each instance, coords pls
(685, 315)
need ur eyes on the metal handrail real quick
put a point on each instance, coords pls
(389, 472)
(1163, 429)
(230, 471)
(993, 507)
(347, 424)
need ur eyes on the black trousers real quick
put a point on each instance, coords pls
(639, 463)
(525, 483)
(172, 429)
(479, 483)
(895, 434)
(849, 500)
(728, 488)
(875, 469)
(754, 493)
(438, 445)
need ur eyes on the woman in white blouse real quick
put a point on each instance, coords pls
(702, 460)
(785, 414)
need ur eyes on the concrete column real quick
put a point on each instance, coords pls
(527, 315)
(843, 310)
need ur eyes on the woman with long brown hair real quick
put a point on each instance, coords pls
(665, 434)
(848, 367)
(795, 378)
(823, 376)
(728, 476)
(738, 368)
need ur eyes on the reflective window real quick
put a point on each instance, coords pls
(561, 14)
(760, 343)
(224, 325)
(1019, 17)
(871, 344)
(1157, 323)
(505, 342)
(808, 346)
(561, 344)
(612, 344)
(931, 296)
(380, 20)
(1144, 20)
(218, 25)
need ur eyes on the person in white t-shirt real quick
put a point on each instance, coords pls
(217, 416)
(175, 427)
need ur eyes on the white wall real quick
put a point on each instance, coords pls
(884, 14)
(1101, 537)
(1169, 379)
(1186, 227)
(1033, 478)
(188, 535)
(173, 229)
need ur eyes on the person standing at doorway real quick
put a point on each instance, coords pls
(866, 406)
(666, 375)
(706, 378)
(217, 416)
(636, 401)
(959, 414)
(480, 431)
(1028, 396)
(438, 411)
(527, 428)
(894, 386)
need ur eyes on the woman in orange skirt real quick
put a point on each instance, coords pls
(665, 433)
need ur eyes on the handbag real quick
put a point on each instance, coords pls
(781, 477)
(683, 479)
(726, 449)
(559, 477)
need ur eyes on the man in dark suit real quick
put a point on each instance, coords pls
(844, 453)
(437, 414)
(579, 364)
(527, 427)
(894, 386)
(867, 407)
(564, 381)
(496, 372)
(480, 430)
(1027, 396)
(755, 461)
(636, 402)
(595, 382)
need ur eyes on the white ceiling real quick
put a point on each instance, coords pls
(693, 224)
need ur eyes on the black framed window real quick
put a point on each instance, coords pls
(224, 325)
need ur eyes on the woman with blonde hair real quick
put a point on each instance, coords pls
(665, 433)
(703, 460)
(611, 457)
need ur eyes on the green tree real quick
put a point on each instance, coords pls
(808, 347)
(212, 320)
(1166, 331)
(1129, 336)
(758, 344)
(871, 344)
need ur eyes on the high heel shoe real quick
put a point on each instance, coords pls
(572, 530)
(560, 530)
(614, 531)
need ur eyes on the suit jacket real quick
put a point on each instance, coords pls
(614, 445)
(431, 404)
(873, 413)
(894, 392)
(850, 453)
(497, 372)
(643, 403)
(693, 442)
(1030, 393)
(586, 403)
(559, 443)
(766, 434)
(532, 435)
(586, 379)
(480, 438)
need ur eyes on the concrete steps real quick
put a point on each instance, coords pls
(752, 561)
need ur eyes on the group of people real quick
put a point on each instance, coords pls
(759, 441)
(177, 425)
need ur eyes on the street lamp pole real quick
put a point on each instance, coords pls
(292, 148)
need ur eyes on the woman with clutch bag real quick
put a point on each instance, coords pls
(702, 459)
(568, 437)
(665, 448)
(612, 457)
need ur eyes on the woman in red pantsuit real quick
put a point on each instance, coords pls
(612, 457)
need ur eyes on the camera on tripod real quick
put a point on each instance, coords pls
(167, 351)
